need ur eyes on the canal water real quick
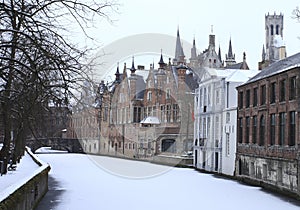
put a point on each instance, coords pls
(79, 182)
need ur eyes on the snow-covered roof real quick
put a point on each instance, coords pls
(150, 120)
(278, 67)
(232, 75)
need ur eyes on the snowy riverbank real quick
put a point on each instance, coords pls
(29, 169)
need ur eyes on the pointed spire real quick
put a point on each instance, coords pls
(219, 54)
(117, 73)
(194, 50)
(161, 61)
(124, 71)
(178, 49)
(230, 55)
(263, 55)
(132, 69)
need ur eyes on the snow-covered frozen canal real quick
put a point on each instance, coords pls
(77, 183)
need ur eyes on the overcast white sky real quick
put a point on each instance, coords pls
(243, 21)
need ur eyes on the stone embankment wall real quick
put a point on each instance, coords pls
(28, 195)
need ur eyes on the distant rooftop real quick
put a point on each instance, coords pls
(278, 67)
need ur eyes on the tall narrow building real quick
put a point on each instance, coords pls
(275, 47)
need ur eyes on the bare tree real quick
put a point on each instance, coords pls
(296, 13)
(38, 63)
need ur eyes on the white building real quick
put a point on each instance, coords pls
(215, 118)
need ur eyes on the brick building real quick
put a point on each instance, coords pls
(149, 115)
(268, 126)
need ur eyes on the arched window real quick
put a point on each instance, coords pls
(272, 30)
(262, 131)
(277, 29)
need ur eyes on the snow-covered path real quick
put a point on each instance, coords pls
(78, 183)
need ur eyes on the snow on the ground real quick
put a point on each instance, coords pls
(82, 184)
(13, 180)
(49, 150)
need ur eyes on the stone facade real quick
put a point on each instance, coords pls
(275, 47)
(215, 123)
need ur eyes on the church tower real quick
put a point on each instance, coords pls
(274, 37)
(274, 48)
(194, 59)
(230, 57)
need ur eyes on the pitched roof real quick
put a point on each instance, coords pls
(278, 67)
(241, 65)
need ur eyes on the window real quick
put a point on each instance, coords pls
(247, 98)
(201, 97)
(162, 113)
(168, 113)
(254, 130)
(240, 134)
(208, 95)
(175, 112)
(217, 127)
(281, 128)
(205, 97)
(292, 88)
(247, 129)
(228, 117)
(227, 144)
(105, 115)
(272, 30)
(168, 94)
(137, 114)
(241, 98)
(282, 90)
(217, 97)
(277, 29)
(262, 131)
(204, 127)
(273, 129)
(273, 93)
(149, 96)
(263, 95)
(292, 132)
(154, 111)
(254, 97)
(208, 126)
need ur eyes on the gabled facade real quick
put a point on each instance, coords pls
(151, 115)
(268, 126)
(215, 114)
